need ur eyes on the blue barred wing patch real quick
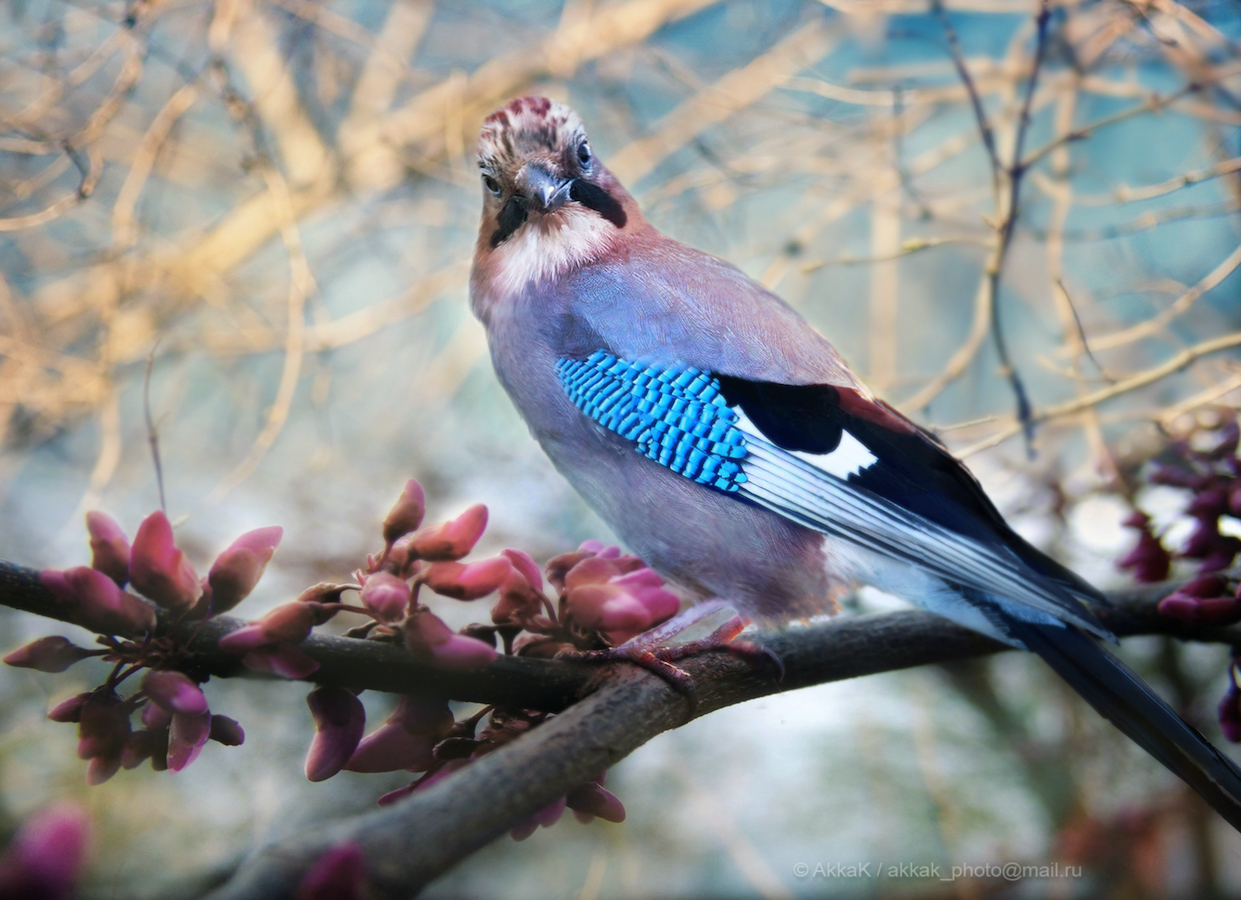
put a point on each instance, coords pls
(676, 417)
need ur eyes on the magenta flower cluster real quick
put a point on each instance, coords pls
(602, 598)
(175, 721)
(1205, 464)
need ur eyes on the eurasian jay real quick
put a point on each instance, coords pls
(728, 444)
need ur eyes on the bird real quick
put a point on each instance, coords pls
(729, 445)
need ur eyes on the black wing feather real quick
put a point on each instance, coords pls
(914, 470)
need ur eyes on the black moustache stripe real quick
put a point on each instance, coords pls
(511, 217)
(594, 197)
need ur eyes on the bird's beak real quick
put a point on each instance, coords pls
(545, 192)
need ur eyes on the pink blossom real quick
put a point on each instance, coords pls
(45, 858)
(69, 710)
(386, 595)
(103, 725)
(104, 607)
(186, 737)
(109, 547)
(406, 514)
(470, 581)
(406, 739)
(284, 660)
(1201, 610)
(174, 691)
(288, 623)
(155, 716)
(227, 731)
(339, 722)
(453, 539)
(339, 874)
(519, 602)
(619, 596)
(139, 747)
(524, 564)
(1149, 560)
(158, 568)
(238, 569)
(49, 654)
(591, 799)
(58, 585)
(426, 635)
(546, 817)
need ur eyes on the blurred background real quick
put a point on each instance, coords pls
(258, 216)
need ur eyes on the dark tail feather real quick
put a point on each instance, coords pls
(1121, 696)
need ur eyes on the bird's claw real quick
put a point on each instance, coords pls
(651, 652)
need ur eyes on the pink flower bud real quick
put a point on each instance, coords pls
(238, 569)
(406, 514)
(105, 608)
(49, 654)
(284, 660)
(158, 568)
(339, 874)
(426, 635)
(519, 603)
(546, 817)
(406, 740)
(1234, 500)
(399, 794)
(1203, 539)
(287, 623)
(386, 595)
(58, 585)
(1199, 610)
(175, 692)
(452, 540)
(606, 607)
(227, 731)
(1149, 560)
(1221, 555)
(45, 858)
(524, 564)
(186, 737)
(109, 547)
(1205, 586)
(1210, 504)
(103, 727)
(591, 799)
(101, 768)
(470, 581)
(69, 710)
(139, 747)
(156, 717)
(339, 722)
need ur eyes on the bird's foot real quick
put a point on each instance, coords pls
(652, 651)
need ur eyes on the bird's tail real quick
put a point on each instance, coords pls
(1120, 695)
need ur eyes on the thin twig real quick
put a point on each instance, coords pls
(152, 431)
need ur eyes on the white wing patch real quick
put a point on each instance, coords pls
(849, 458)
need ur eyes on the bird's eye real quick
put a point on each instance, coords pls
(491, 184)
(583, 153)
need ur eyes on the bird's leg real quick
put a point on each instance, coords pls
(653, 651)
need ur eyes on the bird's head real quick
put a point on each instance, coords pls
(547, 201)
